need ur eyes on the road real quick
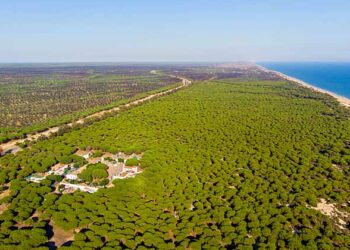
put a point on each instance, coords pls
(11, 146)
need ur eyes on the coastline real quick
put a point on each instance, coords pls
(341, 99)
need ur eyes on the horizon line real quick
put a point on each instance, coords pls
(176, 61)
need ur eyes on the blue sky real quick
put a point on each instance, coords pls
(179, 30)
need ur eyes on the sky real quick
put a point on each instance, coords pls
(178, 30)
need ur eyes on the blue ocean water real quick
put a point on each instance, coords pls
(334, 77)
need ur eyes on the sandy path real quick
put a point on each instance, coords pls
(12, 145)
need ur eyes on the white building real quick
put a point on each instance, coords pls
(133, 169)
(35, 178)
(127, 172)
(123, 175)
(80, 187)
(59, 171)
(85, 154)
(71, 176)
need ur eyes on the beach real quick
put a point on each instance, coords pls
(341, 99)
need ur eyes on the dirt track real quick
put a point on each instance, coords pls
(12, 147)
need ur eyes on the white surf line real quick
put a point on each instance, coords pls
(341, 99)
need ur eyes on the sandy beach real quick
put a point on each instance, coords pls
(341, 99)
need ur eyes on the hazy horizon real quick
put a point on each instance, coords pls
(183, 31)
(168, 62)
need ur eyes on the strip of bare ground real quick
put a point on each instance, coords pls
(12, 146)
(331, 210)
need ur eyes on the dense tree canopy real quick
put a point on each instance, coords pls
(230, 164)
(132, 162)
(94, 172)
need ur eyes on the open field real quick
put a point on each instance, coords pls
(16, 145)
(228, 163)
(34, 98)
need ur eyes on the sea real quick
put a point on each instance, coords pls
(331, 76)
